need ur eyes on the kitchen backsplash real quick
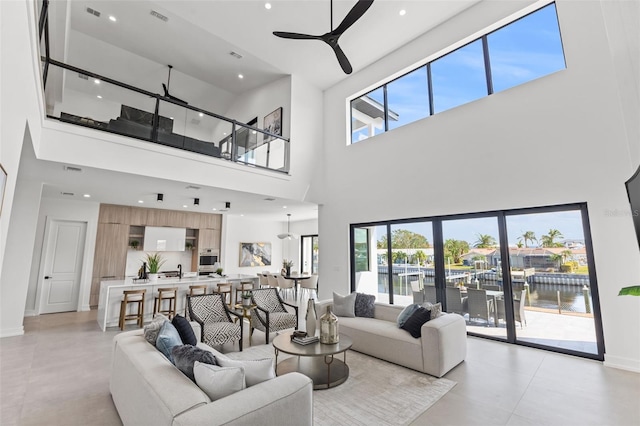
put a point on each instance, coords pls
(173, 259)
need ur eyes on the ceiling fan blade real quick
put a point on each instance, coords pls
(342, 59)
(296, 36)
(354, 14)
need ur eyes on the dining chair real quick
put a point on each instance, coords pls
(518, 308)
(214, 317)
(491, 287)
(454, 300)
(479, 306)
(430, 294)
(263, 280)
(271, 314)
(287, 287)
(273, 281)
(310, 286)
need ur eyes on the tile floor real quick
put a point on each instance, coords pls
(58, 374)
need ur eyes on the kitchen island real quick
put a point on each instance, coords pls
(111, 294)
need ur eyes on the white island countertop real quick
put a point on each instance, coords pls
(111, 294)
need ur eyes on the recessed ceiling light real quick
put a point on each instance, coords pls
(267, 5)
(284, 207)
(87, 195)
(241, 215)
(201, 115)
(240, 76)
(96, 81)
(185, 206)
(225, 133)
(214, 209)
(171, 118)
(99, 97)
(140, 201)
(403, 12)
(112, 18)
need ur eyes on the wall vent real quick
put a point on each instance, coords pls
(193, 187)
(68, 194)
(269, 199)
(159, 16)
(235, 55)
(93, 12)
(72, 169)
(195, 121)
(83, 76)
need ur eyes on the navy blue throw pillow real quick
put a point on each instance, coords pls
(414, 323)
(184, 330)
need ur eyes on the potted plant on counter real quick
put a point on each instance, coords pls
(155, 261)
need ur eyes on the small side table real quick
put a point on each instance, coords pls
(246, 313)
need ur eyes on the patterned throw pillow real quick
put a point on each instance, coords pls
(414, 323)
(406, 313)
(365, 305)
(184, 330)
(185, 356)
(435, 308)
(152, 329)
(344, 306)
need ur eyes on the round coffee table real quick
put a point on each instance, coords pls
(315, 360)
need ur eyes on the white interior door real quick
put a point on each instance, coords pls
(62, 266)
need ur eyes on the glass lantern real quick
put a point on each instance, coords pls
(329, 328)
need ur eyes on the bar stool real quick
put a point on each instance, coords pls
(225, 290)
(132, 296)
(194, 290)
(244, 286)
(166, 293)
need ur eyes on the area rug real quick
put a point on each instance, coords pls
(376, 393)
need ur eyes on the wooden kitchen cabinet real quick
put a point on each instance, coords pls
(208, 239)
(110, 258)
(110, 213)
(138, 216)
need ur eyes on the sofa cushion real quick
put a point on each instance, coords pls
(255, 370)
(435, 308)
(167, 339)
(152, 329)
(218, 382)
(185, 330)
(344, 306)
(406, 313)
(414, 323)
(185, 356)
(365, 305)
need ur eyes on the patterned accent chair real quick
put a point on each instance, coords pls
(270, 314)
(212, 313)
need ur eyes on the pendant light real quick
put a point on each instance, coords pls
(288, 235)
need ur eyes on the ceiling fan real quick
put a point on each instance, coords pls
(166, 88)
(331, 38)
(288, 235)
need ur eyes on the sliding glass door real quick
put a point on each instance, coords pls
(309, 254)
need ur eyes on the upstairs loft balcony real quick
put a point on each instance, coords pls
(84, 98)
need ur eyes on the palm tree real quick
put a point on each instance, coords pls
(549, 239)
(528, 236)
(556, 258)
(485, 241)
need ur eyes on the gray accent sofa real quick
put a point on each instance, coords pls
(443, 344)
(148, 390)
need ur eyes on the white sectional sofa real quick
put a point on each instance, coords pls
(443, 344)
(148, 390)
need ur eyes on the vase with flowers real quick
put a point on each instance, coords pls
(286, 267)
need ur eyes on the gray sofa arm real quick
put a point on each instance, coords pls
(444, 343)
(285, 400)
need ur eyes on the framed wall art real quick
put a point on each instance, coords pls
(255, 254)
(273, 124)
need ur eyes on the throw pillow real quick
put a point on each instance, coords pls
(218, 382)
(365, 305)
(152, 329)
(167, 339)
(406, 313)
(255, 371)
(186, 355)
(184, 330)
(414, 323)
(435, 308)
(344, 306)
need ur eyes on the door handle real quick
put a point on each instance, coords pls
(47, 277)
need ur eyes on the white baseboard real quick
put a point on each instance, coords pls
(30, 313)
(85, 308)
(622, 363)
(9, 332)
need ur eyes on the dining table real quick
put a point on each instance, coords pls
(295, 278)
(494, 295)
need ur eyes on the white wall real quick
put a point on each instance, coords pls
(572, 117)
(80, 211)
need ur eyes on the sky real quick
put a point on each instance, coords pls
(524, 50)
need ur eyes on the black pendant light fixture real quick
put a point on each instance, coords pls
(288, 235)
